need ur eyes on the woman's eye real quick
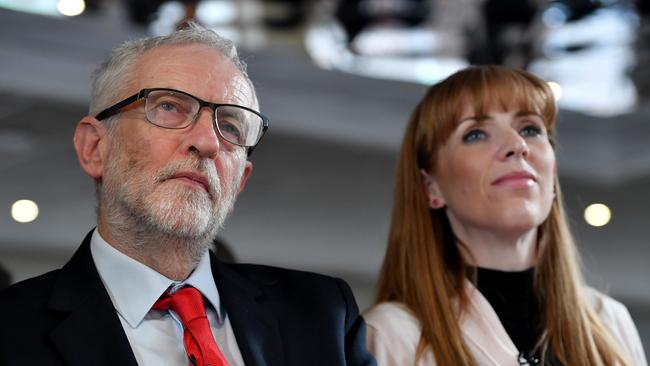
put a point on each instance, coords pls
(473, 135)
(531, 131)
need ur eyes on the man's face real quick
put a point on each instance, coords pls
(184, 182)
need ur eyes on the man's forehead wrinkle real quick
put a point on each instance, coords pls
(223, 82)
(236, 90)
(240, 92)
(234, 87)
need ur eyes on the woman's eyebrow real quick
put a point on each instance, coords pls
(528, 114)
(475, 118)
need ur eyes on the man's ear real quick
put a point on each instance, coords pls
(248, 168)
(90, 143)
(436, 200)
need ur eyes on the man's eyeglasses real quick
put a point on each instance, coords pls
(175, 109)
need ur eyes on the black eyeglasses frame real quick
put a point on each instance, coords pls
(142, 94)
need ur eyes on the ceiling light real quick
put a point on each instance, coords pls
(71, 7)
(24, 211)
(598, 214)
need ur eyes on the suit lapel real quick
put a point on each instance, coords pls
(91, 334)
(255, 327)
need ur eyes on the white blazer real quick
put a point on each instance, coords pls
(394, 333)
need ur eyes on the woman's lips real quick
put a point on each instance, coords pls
(518, 179)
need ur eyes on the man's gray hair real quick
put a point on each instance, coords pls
(111, 78)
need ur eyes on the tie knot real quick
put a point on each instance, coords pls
(186, 302)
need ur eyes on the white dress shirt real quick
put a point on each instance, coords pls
(156, 337)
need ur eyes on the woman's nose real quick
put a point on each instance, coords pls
(515, 146)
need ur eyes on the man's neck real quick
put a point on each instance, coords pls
(171, 256)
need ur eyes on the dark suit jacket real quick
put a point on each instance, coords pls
(279, 316)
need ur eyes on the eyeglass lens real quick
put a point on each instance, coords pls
(176, 110)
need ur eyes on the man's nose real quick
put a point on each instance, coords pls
(202, 137)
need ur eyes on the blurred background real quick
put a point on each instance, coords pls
(338, 80)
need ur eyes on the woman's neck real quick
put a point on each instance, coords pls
(501, 251)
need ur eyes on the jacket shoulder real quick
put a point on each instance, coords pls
(393, 335)
(618, 321)
(269, 274)
(289, 288)
(25, 295)
(293, 285)
(393, 319)
(25, 316)
(611, 311)
(317, 312)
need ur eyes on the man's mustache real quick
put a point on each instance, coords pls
(202, 166)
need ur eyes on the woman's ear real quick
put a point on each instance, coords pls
(89, 140)
(436, 200)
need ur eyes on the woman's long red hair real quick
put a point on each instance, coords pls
(423, 268)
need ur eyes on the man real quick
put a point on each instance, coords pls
(171, 122)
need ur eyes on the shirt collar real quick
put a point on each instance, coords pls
(134, 287)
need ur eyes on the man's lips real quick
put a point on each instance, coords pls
(519, 178)
(193, 177)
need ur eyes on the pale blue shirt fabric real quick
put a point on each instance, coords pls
(156, 337)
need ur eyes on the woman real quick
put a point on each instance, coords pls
(481, 268)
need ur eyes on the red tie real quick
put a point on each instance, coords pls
(200, 346)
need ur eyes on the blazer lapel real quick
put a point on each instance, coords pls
(255, 327)
(485, 333)
(91, 334)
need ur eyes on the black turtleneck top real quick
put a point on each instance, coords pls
(511, 295)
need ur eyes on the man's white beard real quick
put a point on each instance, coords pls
(151, 210)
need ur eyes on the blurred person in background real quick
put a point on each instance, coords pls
(5, 278)
(172, 122)
(481, 268)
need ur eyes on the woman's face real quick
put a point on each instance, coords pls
(495, 173)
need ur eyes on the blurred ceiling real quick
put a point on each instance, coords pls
(52, 57)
